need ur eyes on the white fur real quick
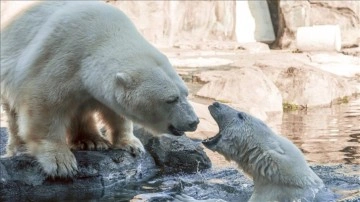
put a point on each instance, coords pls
(62, 61)
(276, 165)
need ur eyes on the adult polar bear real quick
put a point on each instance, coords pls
(60, 61)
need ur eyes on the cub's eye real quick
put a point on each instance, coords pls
(173, 100)
(241, 116)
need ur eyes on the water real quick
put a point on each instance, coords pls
(326, 135)
(329, 138)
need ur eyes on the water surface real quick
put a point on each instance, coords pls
(326, 135)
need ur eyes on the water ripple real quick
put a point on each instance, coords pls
(326, 135)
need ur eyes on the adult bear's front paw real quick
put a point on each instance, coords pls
(90, 143)
(131, 144)
(57, 160)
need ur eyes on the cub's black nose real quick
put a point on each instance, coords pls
(194, 124)
(216, 104)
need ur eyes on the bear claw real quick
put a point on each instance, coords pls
(132, 145)
(89, 144)
(62, 164)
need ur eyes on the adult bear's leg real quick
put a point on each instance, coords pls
(121, 132)
(83, 133)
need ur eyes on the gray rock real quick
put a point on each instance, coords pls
(231, 185)
(117, 176)
(287, 16)
(100, 172)
(22, 177)
(244, 88)
(341, 181)
(308, 87)
(175, 154)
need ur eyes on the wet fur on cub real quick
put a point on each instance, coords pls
(278, 168)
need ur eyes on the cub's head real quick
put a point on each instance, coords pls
(237, 130)
(155, 99)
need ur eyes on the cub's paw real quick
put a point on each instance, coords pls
(90, 143)
(131, 144)
(57, 162)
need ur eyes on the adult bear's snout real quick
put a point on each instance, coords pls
(193, 124)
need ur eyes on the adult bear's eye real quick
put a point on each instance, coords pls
(241, 116)
(173, 100)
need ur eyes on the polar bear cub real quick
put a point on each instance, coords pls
(277, 166)
(63, 61)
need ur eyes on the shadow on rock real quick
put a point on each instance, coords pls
(100, 172)
(22, 177)
(175, 154)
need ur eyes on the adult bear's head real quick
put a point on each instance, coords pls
(154, 96)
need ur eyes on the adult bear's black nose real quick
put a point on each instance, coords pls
(193, 125)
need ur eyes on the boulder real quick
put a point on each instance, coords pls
(308, 79)
(308, 86)
(287, 16)
(344, 13)
(193, 24)
(245, 88)
(175, 154)
(21, 177)
(175, 23)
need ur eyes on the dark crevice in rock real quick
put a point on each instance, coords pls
(278, 22)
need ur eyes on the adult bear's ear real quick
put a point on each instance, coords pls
(123, 79)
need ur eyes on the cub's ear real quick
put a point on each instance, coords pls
(123, 79)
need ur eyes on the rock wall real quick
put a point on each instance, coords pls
(193, 23)
(175, 23)
(181, 23)
(287, 16)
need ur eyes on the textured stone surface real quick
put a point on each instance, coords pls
(309, 79)
(231, 185)
(175, 154)
(195, 23)
(242, 87)
(21, 177)
(175, 23)
(289, 15)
